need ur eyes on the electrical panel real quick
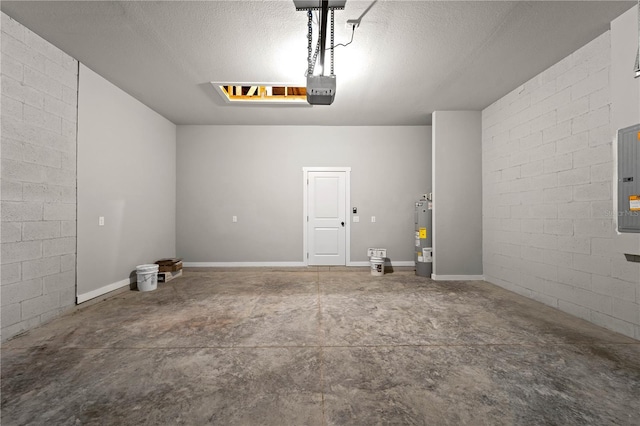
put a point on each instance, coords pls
(629, 179)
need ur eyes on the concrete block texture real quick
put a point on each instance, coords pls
(60, 282)
(13, 89)
(22, 53)
(13, 211)
(614, 287)
(12, 69)
(11, 314)
(38, 171)
(59, 246)
(556, 132)
(42, 119)
(12, 330)
(12, 28)
(10, 273)
(69, 228)
(40, 267)
(59, 211)
(68, 262)
(40, 230)
(18, 292)
(612, 323)
(12, 108)
(11, 232)
(39, 305)
(41, 155)
(42, 82)
(21, 251)
(62, 108)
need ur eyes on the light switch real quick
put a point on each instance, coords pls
(373, 219)
(234, 219)
(356, 218)
(101, 221)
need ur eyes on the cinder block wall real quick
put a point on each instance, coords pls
(39, 114)
(548, 225)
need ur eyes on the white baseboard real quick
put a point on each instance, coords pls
(393, 263)
(457, 277)
(279, 264)
(242, 264)
(102, 290)
(401, 263)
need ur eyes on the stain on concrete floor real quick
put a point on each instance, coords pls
(319, 346)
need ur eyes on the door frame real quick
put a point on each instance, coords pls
(305, 211)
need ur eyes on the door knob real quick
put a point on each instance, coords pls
(342, 223)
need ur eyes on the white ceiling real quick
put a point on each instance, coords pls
(408, 58)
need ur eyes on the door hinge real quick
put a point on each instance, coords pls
(307, 181)
(307, 255)
(307, 218)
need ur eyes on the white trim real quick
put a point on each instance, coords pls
(242, 264)
(80, 298)
(614, 177)
(359, 263)
(401, 263)
(457, 277)
(434, 194)
(305, 212)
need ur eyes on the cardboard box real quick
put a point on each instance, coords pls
(170, 268)
(169, 265)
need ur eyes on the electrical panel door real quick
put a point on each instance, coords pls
(629, 179)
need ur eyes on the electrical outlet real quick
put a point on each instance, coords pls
(101, 221)
(373, 219)
(234, 219)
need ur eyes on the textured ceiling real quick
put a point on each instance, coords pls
(407, 59)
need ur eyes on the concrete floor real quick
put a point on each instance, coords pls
(319, 346)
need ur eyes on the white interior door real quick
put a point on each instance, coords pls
(327, 216)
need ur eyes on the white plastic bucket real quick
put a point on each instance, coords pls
(377, 266)
(147, 277)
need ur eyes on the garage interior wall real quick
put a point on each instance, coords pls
(457, 195)
(548, 171)
(255, 173)
(126, 174)
(39, 100)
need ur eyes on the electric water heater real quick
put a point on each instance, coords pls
(423, 251)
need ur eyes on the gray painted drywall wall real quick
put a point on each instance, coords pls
(457, 193)
(255, 173)
(126, 173)
(39, 104)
